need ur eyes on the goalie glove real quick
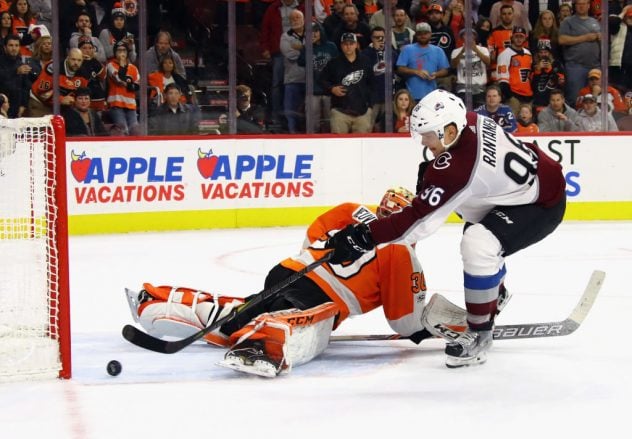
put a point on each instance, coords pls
(350, 243)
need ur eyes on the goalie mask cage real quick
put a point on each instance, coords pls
(34, 302)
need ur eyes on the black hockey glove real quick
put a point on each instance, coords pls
(350, 243)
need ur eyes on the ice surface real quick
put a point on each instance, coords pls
(545, 388)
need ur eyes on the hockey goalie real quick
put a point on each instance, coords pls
(294, 326)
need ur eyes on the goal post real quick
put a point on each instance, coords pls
(34, 276)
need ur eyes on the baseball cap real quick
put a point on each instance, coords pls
(519, 30)
(594, 73)
(435, 7)
(544, 44)
(589, 97)
(348, 36)
(423, 27)
(84, 40)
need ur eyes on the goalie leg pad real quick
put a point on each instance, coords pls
(167, 311)
(443, 318)
(274, 342)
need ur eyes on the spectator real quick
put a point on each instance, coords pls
(514, 71)
(494, 109)
(23, 18)
(422, 63)
(403, 104)
(70, 78)
(478, 62)
(14, 81)
(161, 48)
(520, 15)
(69, 10)
(537, 7)
(419, 10)
(250, 117)
(546, 28)
(116, 31)
(454, 19)
(348, 78)
(366, 9)
(291, 44)
(615, 101)
(43, 12)
(401, 32)
(557, 116)
(375, 54)
(625, 123)
(378, 19)
(84, 29)
(4, 106)
(42, 54)
(174, 117)
(442, 36)
(579, 37)
(275, 23)
(351, 24)
(94, 71)
(589, 117)
(483, 29)
(526, 124)
(122, 80)
(548, 74)
(80, 119)
(500, 37)
(323, 51)
(566, 10)
(620, 65)
(6, 27)
(165, 75)
(334, 20)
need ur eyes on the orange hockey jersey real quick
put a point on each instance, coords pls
(514, 67)
(389, 276)
(68, 83)
(118, 93)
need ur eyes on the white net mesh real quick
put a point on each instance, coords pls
(29, 311)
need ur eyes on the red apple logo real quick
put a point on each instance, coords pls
(79, 166)
(206, 163)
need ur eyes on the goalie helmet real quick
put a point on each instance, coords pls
(436, 111)
(394, 200)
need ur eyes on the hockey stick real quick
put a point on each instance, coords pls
(146, 341)
(510, 332)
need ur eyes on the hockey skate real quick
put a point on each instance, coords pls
(250, 357)
(469, 348)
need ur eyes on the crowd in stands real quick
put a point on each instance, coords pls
(532, 66)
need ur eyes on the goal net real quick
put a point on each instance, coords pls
(34, 303)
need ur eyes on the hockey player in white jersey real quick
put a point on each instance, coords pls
(509, 193)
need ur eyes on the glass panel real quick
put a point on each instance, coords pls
(231, 75)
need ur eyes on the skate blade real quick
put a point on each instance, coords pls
(259, 368)
(456, 362)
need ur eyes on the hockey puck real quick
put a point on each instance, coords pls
(114, 368)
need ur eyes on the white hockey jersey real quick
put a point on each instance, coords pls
(487, 167)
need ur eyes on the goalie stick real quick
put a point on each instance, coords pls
(146, 341)
(510, 332)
